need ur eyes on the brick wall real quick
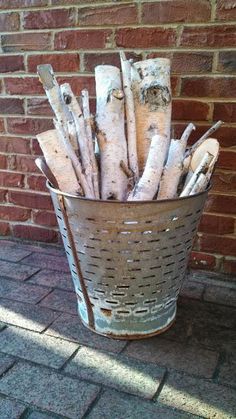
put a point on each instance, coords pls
(74, 36)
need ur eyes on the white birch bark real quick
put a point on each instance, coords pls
(152, 101)
(78, 118)
(149, 181)
(88, 192)
(58, 162)
(130, 115)
(87, 121)
(174, 167)
(204, 137)
(110, 132)
(52, 90)
(201, 168)
(200, 185)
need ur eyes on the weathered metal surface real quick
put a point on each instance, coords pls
(131, 258)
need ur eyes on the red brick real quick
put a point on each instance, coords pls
(30, 200)
(2, 127)
(39, 106)
(110, 15)
(200, 260)
(145, 37)
(34, 233)
(82, 39)
(9, 22)
(10, 213)
(11, 179)
(45, 218)
(225, 135)
(23, 85)
(92, 60)
(11, 106)
(36, 149)
(190, 110)
(79, 83)
(26, 164)
(60, 62)
(227, 160)
(225, 111)
(76, 2)
(224, 182)
(43, 19)
(11, 63)
(226, 10)
(208, 36)
(227, 62)
(26, 42)
(209, 87)
(189, 62)
(3, 162)
(229, 266)
(4, 229)
(216, 224)
(3, 193)
(224, 204)
(15, 4)
(14, 145)
(28, 126)
(37, 183)
(176, 11)
(218, 244)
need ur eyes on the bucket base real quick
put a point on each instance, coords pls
(132, 337)
(136, 330)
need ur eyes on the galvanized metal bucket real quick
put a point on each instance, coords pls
(127, 259)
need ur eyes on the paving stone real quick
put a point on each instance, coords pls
(25, 315)
(46, 261)
(6, 361)
(227, 373)
(16, 271)
(43, 415)
(213, 336)
(220, 295)
(36, 347)
(175, 355)
(53, 249)
(10, 409)
(12, 253)
(192, 289)
(199, 396)
(116, 371)
(2, 326)
(61, 300)
(201, 312)
(52, 279)
(49, 390)
(22, 291)
(113, 405)
(70, 327)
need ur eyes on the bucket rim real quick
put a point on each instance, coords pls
(111, 201)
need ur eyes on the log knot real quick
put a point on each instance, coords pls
(155, 95)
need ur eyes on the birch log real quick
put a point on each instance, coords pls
(152, 101)
(52, 90)
(130, 115)
(201, 168)
(78, 118)
(149, 182)
(58, 162)
(88, 130)
(204, 137)
(88, 192)
(110, 132)
(174, 166)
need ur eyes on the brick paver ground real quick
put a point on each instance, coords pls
(51, 366)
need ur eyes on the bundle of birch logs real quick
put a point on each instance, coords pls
(125, 152)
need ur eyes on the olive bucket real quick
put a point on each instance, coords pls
(127, 259)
